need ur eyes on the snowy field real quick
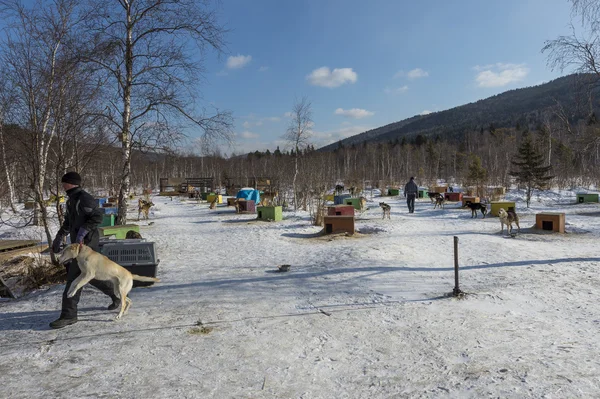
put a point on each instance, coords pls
(355, 317)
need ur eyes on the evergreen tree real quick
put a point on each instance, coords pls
(530, 169)
(477, 174)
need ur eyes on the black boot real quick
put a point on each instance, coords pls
(63, 322)
(116, 304)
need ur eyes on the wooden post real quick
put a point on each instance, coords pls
(456, 291)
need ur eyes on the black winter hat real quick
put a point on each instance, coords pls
(71, 178)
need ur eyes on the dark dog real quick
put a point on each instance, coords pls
(434, 196)
(439, 201)
(475, 206)
(132, 234)
(386, 209)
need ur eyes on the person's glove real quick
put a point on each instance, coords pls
(57, 242)
(81, 235)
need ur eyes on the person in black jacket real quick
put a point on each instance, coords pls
(82, 218)
(410, 193)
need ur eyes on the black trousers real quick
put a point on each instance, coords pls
(410, 201)
(69, 305)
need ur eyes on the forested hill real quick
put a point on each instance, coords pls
(521, 106)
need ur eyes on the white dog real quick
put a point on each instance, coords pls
(94, 265)
(508, 218)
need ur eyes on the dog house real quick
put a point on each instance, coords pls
(453, 197)
(339, 199)
(550, 221)
(355, 202)
(274, 213)
(247, 206)
(329, 197)
(393, 191)
(471, 199)
(119, 231)
(107, 220)
(206, 195)
(137, 256)
(211, 197)
(339, 224)
(340, 210)
(422, 193)
(581, 198)
(496, 205)
(438, 189)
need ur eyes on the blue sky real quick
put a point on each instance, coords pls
(364, 64)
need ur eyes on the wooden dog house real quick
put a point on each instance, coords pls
(471, 199)
(339, 224)
(340, 210)
(438, 189)
(247, 206)
(270, 213)
(496, 205)
(453, 197)
(550, 221)
(581, 198)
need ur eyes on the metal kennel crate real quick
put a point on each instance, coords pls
(137, 256)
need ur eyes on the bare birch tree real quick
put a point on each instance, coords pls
(298, 135)
(144, 50)
(6, 102)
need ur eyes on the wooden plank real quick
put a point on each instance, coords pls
(8, 245)
(24, 250)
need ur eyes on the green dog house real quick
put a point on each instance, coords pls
(355, 202)
(107, 220)
(581, 198)
(423, 193)
(393, 192)
(270, 213)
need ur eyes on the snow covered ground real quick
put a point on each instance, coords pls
(355, 317)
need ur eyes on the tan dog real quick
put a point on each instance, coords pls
(144, 207)
(94, 265)
(267, 199)
(508, 218)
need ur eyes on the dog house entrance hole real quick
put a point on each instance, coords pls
(329, 228)
(580, 200)
(548, 225)
(338, 213)
(260, 214)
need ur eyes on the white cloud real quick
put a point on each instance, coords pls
(425, 112)
(288, 114)
(263, 69)
(238, 61)
(356, 113)
(249, 135)
(273, 118)
(417, 73)
(412, 74)
(500, 74)
(222, 73)
(396, 90)
(326, 78)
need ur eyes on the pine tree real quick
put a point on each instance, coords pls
(530, 169)
(477, 174)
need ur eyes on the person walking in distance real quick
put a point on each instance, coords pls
(82, 218)
(410, 193)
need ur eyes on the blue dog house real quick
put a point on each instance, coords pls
(249, 195)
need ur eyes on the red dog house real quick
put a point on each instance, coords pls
(339, 224)
(550, 221)
(247, 206)
(453, 197)
(340, 210)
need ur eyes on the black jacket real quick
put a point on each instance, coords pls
(82, 211)
(411, 188)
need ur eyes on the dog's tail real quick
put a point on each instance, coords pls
(145, 279)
